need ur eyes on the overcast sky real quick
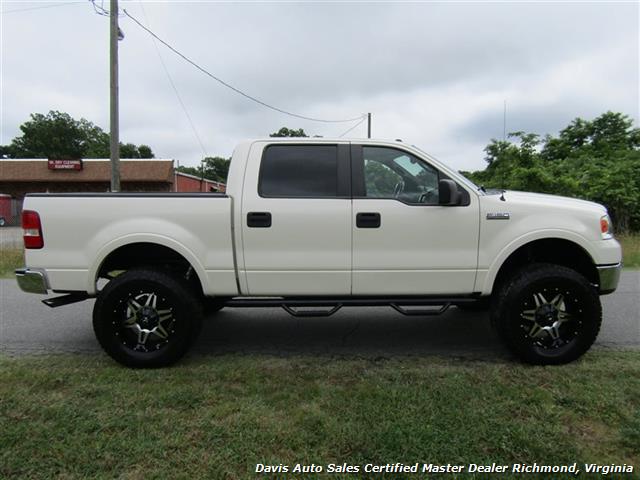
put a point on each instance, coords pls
(434, 74)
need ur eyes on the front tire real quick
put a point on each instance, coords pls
(547, 314)
(146, 318)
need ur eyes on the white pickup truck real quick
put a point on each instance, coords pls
(312, 225)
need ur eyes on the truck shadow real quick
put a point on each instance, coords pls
(358, 332)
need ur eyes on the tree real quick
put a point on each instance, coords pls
(217, 168)
(212, 168)
(289, 132)
(58, 135)
(597, 160)
(129, 150)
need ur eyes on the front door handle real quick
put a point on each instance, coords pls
(368, 220)
(259, 219)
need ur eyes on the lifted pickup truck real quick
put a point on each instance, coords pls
(313, 225)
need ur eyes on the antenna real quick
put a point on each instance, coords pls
(504, 122)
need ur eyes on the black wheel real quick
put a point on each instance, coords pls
(146, 318)
(547, 314)
(2, 221)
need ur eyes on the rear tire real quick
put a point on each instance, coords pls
(146, 318)
(547, 314)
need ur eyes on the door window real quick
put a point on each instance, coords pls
(299, 171)
(391, 173)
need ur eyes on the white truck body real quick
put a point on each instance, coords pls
(314, 247)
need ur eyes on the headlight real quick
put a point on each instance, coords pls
(606, 229)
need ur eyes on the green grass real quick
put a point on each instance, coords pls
(10, 259)
(216, 417)
(630, 250)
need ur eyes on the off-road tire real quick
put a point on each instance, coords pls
(180, 311)
(519, 295)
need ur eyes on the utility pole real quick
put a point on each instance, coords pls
(115, 140)
(368, 125)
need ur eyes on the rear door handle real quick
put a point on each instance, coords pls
(259, 219)
(368, 220)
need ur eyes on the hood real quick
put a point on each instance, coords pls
(552, 200)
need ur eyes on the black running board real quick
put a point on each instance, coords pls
(312, 307)
(65, 299)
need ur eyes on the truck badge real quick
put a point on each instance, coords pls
(498, 216)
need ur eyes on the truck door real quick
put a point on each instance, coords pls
(404, 243)
(296, 219)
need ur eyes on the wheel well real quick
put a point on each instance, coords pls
(549, 250)
(150, 255)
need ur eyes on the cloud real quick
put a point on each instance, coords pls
(434, 74)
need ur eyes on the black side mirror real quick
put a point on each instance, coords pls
(448, 193)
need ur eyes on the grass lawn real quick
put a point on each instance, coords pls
(630, 250)
(217, 416)
(10, 259)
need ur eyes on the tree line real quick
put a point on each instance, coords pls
(597, 160)
(59, 135)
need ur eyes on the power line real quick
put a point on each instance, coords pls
(363, 119)
(100, 10)
(231, 87)
(39, 8)
(173, 85)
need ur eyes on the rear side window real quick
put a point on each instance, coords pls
(299, 171)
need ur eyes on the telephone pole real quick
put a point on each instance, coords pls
(115, 140)
(368, 125)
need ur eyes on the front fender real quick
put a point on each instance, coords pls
(486, 279)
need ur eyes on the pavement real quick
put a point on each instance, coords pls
(29, 327)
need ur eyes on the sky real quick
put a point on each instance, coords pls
(433, 74)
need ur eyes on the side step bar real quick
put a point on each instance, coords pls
(65, 299)
(306, 307)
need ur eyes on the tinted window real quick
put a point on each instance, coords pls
(391, 173)
(299, 171)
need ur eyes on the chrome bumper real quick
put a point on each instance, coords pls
(609, 277)
(31, 281)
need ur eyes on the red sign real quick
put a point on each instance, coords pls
(65, 164)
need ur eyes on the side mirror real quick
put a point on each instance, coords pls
(448, 194)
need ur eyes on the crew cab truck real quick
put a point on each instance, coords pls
(312, 225)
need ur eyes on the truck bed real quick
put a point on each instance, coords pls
(81, 229)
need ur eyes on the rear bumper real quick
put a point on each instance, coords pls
(32, 281)
(609, 276)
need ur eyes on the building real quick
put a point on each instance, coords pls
(184, 182)
(21, 176)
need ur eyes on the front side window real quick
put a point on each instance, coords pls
(299, 171)
(391, 173)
